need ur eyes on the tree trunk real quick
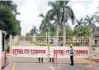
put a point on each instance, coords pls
(48, 43)
(46, 38)
(57, 36)
(64, 35)
(10, 44)
(34, 40)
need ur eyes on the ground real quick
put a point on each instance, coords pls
(28, 63)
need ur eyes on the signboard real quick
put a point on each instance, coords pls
(29, 51)
(63, 52)
(95, 52)
(43, 51)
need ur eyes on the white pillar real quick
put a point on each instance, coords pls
(90, 51)
(10, 44)
(57, 36)
(46, 38)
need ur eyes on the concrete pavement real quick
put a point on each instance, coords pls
(25, 63)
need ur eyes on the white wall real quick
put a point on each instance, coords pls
(0, 43)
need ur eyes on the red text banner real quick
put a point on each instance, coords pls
(44, 51)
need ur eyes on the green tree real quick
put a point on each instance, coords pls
(69, 31)
(53, 29)
(82, 30)
(79, 22)
(67, 13)
(33, 31)
(90, 22)
(55, 15)
(17, 28)
(8, 21)
(61, 12)
(45, 26)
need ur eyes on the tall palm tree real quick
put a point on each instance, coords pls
(45, 25)
(65, 14)
(60, 12)
(53, 29)
(79, 22)
(91, 22)
(54, 14)
(33, 32)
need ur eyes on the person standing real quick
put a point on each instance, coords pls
(40, 59)
(71, 55)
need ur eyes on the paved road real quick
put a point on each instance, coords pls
(32, 64)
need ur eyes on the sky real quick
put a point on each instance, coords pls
(30, 10)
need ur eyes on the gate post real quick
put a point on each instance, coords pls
(90, 51)
(55, 59)
(10, 44)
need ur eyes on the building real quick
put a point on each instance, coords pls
(96, 38)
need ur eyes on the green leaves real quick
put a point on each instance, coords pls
(90, 22)
(45, 24)
(69, 31)
(82, 30)
(8, 21)
(33, 31)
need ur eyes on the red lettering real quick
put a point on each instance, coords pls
(43, 51)
(19, 51)
(39, 51)
(14, 51)
(32, 51)
(36, 51)
(26, 51)
(62, 52)
(86, 51)
(81, 51)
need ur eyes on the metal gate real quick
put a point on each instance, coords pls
(52, 41)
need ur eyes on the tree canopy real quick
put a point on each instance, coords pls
(82, 30)
(8, 21)
(55, 21)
